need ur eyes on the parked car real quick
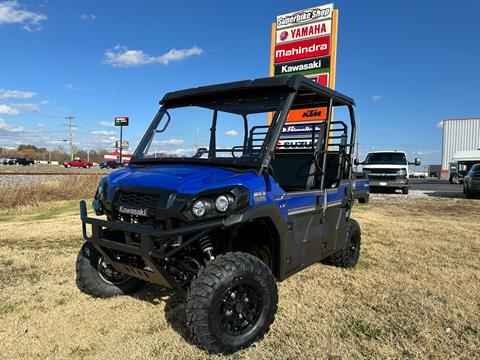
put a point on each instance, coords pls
(471, 182)
(224, 225)
(78, 164)
(9, 161)
(387, 170)
(23, 161)
(111, 165)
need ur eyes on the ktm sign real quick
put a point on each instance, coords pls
(309, 114)
(302, 49)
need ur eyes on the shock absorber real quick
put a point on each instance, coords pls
(206, 245)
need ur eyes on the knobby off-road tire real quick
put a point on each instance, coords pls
(349, 255)
(231, 303)
(91, 281)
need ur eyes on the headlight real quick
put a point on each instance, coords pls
(222, 203)
(217, 202)
(402, 172)
(199, 208)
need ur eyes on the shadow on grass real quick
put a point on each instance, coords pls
(174, 306)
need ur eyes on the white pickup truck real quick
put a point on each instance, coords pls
(387, 169)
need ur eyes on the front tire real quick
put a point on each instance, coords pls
(231, 303)
(349, 255)
(405, 191)
(96, 278)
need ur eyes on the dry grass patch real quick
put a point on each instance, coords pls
(71, 187)
(415, 294)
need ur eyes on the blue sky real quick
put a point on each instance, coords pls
(408, 64)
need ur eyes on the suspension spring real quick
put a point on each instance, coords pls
(206, 245)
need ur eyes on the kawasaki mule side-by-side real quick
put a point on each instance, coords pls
(223, 224)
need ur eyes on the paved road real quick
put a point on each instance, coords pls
(435, 185)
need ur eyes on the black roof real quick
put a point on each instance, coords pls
(311, 91)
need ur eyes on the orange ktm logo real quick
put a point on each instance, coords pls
(309, 114)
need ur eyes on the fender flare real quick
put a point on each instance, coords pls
(266, 211)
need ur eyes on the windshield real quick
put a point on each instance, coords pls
(387, 158)
(230, 132)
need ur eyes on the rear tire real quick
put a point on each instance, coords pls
(349, 255)
(405, 191)
(91, 281)
(363, 200)
(231, 303)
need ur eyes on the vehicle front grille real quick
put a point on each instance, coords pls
(382, 178)
(137, 200)
(141, 220)
(384, 171)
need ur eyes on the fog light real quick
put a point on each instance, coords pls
(222, 203)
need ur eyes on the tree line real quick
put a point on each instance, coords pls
(40, 153)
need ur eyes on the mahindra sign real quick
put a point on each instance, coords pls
(302, 49)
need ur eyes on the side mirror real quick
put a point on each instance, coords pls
(356, 162)
(417, 162)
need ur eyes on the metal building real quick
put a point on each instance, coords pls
(458, 135)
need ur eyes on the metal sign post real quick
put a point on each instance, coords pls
(121, 121)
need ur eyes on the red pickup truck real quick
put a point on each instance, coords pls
(77, 163)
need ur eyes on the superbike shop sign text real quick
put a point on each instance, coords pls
(305, 16)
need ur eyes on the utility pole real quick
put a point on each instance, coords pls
(197, 137)
(70, 134)
(357, 155)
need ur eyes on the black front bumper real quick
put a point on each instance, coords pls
(141, 240)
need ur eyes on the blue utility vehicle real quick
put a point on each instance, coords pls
(222, 225)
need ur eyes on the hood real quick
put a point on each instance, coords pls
(184, 179)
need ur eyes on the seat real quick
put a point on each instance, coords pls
(291, 170)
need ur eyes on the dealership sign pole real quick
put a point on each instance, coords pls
(304, 42)
(121, 121)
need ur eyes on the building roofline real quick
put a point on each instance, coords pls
(478, 118)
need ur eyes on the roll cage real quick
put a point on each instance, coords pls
(327, 142)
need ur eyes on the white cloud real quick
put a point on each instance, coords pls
(122, 57)
(15, 94)
(88, 17)
(103, 133)
(11, 12)
(178, 152)
(41, 125)
(15, 109)
(376, 98)
(231, 133)
(9, 128)
(439, 124)
(70, 87)
(106, 123)
(169, 142)
(28, 106)
(8, 110)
